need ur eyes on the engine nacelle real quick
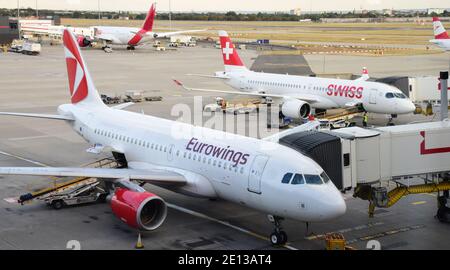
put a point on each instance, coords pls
(83, 41)
(295, 108)
(141, 210)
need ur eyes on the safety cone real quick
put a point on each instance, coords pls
(139, 244)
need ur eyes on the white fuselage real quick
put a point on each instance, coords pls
(253, 179)
(122, 35)
(442, 43)
(329, 93)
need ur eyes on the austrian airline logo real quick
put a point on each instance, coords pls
(345, 91)
(75, 69)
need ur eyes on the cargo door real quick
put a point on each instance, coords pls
(373, 96)
(255, 174)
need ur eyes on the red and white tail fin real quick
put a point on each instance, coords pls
(439, 30)
(82, 89)
(231, 58)
(365, 74)
(148, 23)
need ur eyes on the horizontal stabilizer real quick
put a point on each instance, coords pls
(36, 115)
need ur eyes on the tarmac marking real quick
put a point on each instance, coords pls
(356, 228)
(24, 159)
(200, 215)
(176, 207)
(419, 202)
(386, 233)
(29, 138)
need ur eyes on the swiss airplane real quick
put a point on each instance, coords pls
(441, 38)
(297, 94)
(195, 161)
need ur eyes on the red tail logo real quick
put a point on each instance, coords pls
(230, 55)
(75, 69)
(146, 27)
(148, 24)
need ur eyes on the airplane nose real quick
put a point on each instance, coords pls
(335, 206)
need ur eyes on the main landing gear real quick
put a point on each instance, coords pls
(131, 48)
(278, 237)
(107, 49)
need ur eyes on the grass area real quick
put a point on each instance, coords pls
(293, 32)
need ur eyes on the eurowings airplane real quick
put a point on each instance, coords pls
(260, 174)
(441, 38)
(297, 94)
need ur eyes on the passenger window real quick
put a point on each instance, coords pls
(389, 95)
(286, 178)
(298, 179)
(325, 177)
(313, 179)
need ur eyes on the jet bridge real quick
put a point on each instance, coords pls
(367, 159)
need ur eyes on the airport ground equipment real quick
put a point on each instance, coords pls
(72, 191)
(335, 241)
(31, 48)
(415, 157)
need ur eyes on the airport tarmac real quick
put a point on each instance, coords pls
(39, 84)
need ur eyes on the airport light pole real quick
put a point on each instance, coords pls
(170, 15)
(98, 2)
(37, 12)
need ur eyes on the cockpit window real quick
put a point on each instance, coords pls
(399, 95)
(313, 179)
(325, 177)
(286, 178)
(298, 179)
(389, 95)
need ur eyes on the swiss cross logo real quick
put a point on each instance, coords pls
(75, 69)
(227, 50)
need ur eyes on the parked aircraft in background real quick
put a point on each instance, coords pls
(274, 179)
(298, 94)
(441, 37)
(112, 35)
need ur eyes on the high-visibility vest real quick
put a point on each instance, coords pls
(366, 118)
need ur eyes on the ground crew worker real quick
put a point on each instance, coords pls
(365, 119)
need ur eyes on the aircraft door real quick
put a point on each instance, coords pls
(170, 152)
(373, 96)
(255, 174)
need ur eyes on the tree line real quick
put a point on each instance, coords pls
(209, 16)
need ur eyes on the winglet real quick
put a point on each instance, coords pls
(177, 82)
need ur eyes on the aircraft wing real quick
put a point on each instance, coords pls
(168, 34)
(352, 104)
(306, 98)
(155, 176)
(105, 37)
(224, 77)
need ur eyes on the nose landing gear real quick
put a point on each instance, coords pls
(278, 237)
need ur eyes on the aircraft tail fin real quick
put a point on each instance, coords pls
(81, 86)
(148, 23)
(231, 58)
(439, 30)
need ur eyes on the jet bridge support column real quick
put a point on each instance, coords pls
(444, 94)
